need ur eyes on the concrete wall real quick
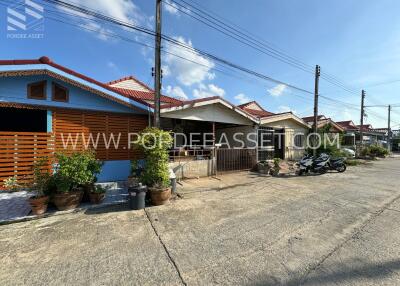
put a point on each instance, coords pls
(291, 129)
(192, 169)
(14, 89)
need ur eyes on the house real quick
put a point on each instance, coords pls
(351, 131)
(205, 141)
(287, 132)
(47, 108)
(324, 122)
(370, 135)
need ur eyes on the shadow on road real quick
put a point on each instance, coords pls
(340, 274)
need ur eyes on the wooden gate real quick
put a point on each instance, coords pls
(20, 150)
(231, 160)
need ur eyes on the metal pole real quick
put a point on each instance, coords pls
(389, 136)
(315, 124)
(362, 119)
(157, 70)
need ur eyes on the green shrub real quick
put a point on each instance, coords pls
(41, 177)
(11, 184)
(374, 151)
(79, 168)
(332, 151)
(155, 144)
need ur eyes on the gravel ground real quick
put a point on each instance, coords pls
(242, 229)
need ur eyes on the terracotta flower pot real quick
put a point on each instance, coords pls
(96, 198)
(68, 200)
(39, 205)
(160, 196)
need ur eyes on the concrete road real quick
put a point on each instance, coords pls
(244, 229)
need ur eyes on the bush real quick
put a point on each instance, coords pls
(332, 151)
(374, 151)
(155, 144)
(41, 177)
(79, 168)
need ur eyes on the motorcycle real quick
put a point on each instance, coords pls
(321, 165)
(305, 164)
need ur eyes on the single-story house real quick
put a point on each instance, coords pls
(323, 121)
(370, 135)
(47, 108)
(205, 141)
(288, 132)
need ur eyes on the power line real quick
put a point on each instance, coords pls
(246, 39)
(173, 41)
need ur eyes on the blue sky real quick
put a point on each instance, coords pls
(356, 41)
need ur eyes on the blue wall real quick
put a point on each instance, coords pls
(114, 171)
(14, 89)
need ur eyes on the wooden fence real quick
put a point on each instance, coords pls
(20, 150)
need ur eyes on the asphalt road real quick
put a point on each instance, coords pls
(245, 229)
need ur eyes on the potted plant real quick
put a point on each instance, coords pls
(92, 170)
(74, 171)
(155, 144)
(276, 168)
(97, 194)
(11, 184)
(41, 178)
(133, 179)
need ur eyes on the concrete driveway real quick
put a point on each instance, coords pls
(244, 229)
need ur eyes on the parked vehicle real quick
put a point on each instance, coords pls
(349, 152)
(321, 164)
(305, 164)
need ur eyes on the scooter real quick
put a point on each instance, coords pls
(321, 164)
(305, 164)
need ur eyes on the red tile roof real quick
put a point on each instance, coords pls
(311, 118)
(257, 113)
(347, 125)
(144, 95)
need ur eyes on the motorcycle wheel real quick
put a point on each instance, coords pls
(341, 169)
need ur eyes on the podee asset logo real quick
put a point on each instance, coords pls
(25, 20)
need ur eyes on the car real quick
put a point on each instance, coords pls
(349, 152)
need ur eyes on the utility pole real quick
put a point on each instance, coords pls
(315, 125)
(389, 139)
(362, 119)
(157, 70)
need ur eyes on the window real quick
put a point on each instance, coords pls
(37, 90)
(60, 93)
(299, 141)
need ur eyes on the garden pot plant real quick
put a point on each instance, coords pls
(74, 171)
(155, 144)
(97, 195)
(41, 179)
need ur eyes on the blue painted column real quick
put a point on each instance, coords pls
(49, 121)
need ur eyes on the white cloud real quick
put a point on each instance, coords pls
(211, 76)
(216, 90)
(123, 10)
(277, 90)
(284, 108)
(242, 98)
(194, 70)
(176, 91)
(171, 7)
(208, 91)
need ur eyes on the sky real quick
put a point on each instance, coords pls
(357, 42)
